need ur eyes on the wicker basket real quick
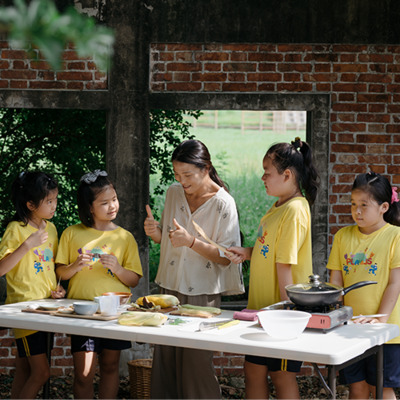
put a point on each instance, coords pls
(140, 378)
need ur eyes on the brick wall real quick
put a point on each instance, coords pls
(19, 71)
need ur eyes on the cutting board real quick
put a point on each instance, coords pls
(28, 310)
(97, 317)
(162, 310)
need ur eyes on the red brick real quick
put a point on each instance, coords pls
(348, 148)
(75, 85)
(394, 49)
(96, 85)
(71, 55)
(4, 352)
(295, 87)
(46, 85)
(18, 84)
(209, 77)
(240, 47)
(349, 168)
(299, 48)
(7, 362)
(348, 58)
(266, 67)
(76, 65)
(184, 67)
(289, 67)
(341, 188)
(158, 67)
(275, 57)
(184, 47)
(162, 77)
(374, 98)
(348, 77)
(346, 118)
(342, 127)
(239, 87)
(322, 68)
(393, 88)
(373, 118)
(293, 57)
(377, 108)
(157, 87)
(291, 77)
(267, 47)
(341, 209)
(17, 64)
(213, 47)
(396, 179)
(212, 87)
(14, 54)
(320, 77)
(181, 77)
(236, 77)
(347, 158)
(243, 67)
(74, 76)
(218, 361)
(264, 77)
(158, 46)
(57, 352)
(324, 57)
(91, 65)
(379, 68)
(66, 362)
(184, 87)
(214, 56)
(212, 66)
(324, 87)
(346, 97)
(374, 88)
(238, 57)
(99, 76)
(375, 159)
(346, 219)
(46, 75)
(349, 48)
(350, 68)
(332, 199)
(347, 178)
(40, 65)
(376, 128)
(267, 87)
(377, 58)
(20, 74)
(3, 45)
(184, 56)
(349, 87)
(375, 78)
(393, 149)
(379, 169)
(373, 138)
(346, 137)
(237, 361)
(393, 128)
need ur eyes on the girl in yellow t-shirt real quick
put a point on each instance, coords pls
(27, 253)
(370, 250)
(97, 256)
(281, 255)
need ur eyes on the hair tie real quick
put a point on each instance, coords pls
(395, 198)
(297, 143)
(91, 177)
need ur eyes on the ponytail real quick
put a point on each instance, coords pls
(297, 157)
(380, 189)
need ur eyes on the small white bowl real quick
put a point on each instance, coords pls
(87, 308)
(283, 324)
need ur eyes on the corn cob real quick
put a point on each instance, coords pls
(188, 312)
(137, 318)
(163, 300)
(211, 310)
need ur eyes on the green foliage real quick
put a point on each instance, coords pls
(64, 143)
(41, 24)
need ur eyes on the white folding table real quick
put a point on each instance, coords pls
(336, 348)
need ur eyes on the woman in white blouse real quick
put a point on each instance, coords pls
(192, 269)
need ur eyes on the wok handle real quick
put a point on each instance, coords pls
(358, 285)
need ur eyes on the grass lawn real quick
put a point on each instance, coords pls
(238, 159)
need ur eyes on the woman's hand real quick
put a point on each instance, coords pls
(36, 239)
(366, 320)
(239, 254)
(111, 262)
(59, 293)
(150, 224)
(179, 236)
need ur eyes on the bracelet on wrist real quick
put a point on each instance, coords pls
(194, 239)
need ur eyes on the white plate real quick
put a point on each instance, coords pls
(49, 307)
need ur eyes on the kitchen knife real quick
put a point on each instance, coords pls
(205, 326)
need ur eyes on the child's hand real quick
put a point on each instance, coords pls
(150, 224)
(180, 237)
(111, 262)
(82, 261)
(58, 293)
(239, 254)
(37, 238)
(366, 320)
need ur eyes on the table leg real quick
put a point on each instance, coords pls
(332, 380)
(379, 373)
(46, 387)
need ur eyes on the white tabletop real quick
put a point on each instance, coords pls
(333, 348)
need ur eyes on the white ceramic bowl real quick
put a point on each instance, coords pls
(283, 324)
(85, 308)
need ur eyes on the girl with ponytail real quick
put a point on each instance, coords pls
(370, 250)
(281, 255)
(192, 269)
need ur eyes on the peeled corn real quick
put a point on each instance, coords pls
(163, 300)
(211, 310)
(138, 318)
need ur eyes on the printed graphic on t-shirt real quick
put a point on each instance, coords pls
(96, 251)
(360, 259)
(261, 240)
(45, 256)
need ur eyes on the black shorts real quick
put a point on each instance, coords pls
(34, 344)
(275, 364)
(96, 345)
(365, 369)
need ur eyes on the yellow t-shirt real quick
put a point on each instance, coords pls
(33, 278)
(94, 280)
(367, 258)
(284, 236)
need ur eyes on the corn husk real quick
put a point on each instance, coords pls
(211, 310)
(137, 318)
(163, 300)
(187, 310)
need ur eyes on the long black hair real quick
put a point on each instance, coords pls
(87, 194)
(29, 187)
(196, 153)
(297, 156)
(380, 189)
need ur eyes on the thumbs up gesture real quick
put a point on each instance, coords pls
(179, 236)
(150, 224)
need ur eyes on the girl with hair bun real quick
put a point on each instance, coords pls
(370, 250)
(192, 269)
(281, 255)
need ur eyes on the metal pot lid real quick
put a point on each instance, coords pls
(313, 286)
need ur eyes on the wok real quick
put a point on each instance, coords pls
(316, 293)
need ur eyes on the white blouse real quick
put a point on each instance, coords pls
(182, 269)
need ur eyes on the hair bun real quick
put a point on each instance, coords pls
(297, 143)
